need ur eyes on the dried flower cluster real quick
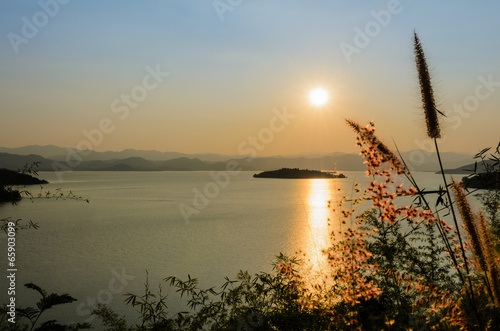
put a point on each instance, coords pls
(428, 283)
(380, 160)
(376, 152)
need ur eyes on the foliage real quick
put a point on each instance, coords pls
(152, 308)
(276, 301)
(29, 175)
(30, 316)
(18, 224)
(489, 198)
(7, 192)
(110, 319)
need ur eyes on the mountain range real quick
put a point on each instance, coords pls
(59, 158)
(57, 153)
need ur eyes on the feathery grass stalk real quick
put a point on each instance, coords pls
(434, 132)
(355, 126)
(429, 105)
(489, 250)
(431, 118)
(367, 134)
(475, 237)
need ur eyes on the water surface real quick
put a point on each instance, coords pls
(133, 223)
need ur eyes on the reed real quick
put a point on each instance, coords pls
(434, 132)
(379, 152)
(476, 239)
(491, 260)
(428, 102)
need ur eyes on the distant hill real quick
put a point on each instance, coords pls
(421, 160)
(469, 168)
(346, 162)
(60, 154)
(17, 162)
(136, 160)
(184, 163)
(118, 167)
(47, 151)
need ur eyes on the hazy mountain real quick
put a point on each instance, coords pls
(131, 163)
(344, 162)
(471, 168)
(47, 151)
(61, 154)
(421, 160)
(184, 163)
(129, 159)
(16, 162)
(313, 155)
(416, 161)
(118, 167)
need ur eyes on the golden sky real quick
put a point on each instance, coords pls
(210, 77)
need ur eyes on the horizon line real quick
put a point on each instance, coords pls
(215, 153)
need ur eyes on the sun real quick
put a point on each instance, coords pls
(318, 96)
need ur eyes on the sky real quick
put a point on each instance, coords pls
(231, 76)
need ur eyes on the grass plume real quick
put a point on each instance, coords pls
(475, 237)
(366, 136)
(491, 259)
(428, 103)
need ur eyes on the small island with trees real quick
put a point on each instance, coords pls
(298, 173)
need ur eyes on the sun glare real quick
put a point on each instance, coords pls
(318, 96)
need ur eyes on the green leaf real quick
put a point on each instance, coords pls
(30, 312)
(481, 153)
(54, 299)
(37, 288)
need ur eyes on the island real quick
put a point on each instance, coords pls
(298, 173)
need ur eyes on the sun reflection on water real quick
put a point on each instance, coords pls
(318, 213)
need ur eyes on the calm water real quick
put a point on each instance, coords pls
(133, 223)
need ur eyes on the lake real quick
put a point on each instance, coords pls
(134, 222)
